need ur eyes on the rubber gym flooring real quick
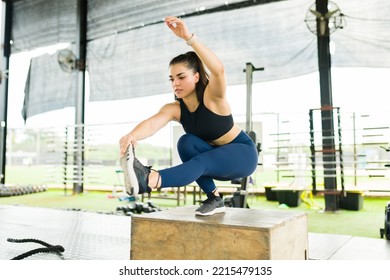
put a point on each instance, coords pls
(96, 236)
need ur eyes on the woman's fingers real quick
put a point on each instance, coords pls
(124, 143)
(178, 27)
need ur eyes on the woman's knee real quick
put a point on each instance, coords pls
(185, 140)
(189, 146)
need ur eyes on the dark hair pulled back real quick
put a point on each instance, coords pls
(192, 60)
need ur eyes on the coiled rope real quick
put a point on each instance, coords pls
(57, 249)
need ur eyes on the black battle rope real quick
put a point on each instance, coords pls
(58, 249)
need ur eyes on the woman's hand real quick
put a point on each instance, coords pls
(178, 27)
(124, 143)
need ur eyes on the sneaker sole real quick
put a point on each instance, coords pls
(215, 211)
(131, 182)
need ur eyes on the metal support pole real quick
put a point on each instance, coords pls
(6, 26)
(354, 150)
(81, 50)
(328, 144)
(249, 69)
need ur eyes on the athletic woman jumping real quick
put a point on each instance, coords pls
(213, 147)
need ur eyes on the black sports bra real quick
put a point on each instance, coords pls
(204, 123)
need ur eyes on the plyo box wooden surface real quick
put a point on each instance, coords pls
(238, 234)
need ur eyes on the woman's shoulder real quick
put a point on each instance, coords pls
(172, 108)
(173, 104)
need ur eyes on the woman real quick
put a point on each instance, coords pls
(214, 147)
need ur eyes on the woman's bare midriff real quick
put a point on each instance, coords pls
(227, 137)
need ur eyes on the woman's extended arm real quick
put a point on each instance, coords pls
(148, 127)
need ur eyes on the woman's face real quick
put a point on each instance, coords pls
(182, 79)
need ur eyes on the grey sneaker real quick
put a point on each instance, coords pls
(135, 174)
(212, 205)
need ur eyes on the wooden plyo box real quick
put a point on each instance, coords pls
(238, 234)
